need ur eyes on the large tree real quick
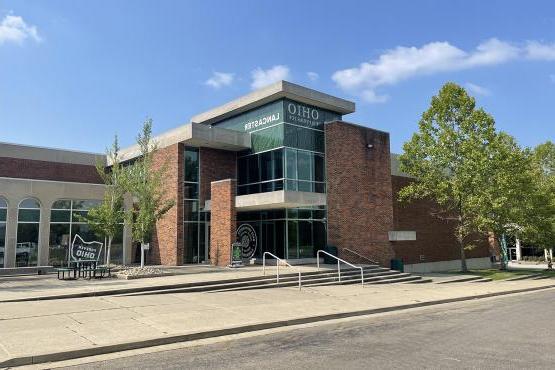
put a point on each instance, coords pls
(540, 226)
(508, 192)
(107, 218)
(449, 157)
(146, 186)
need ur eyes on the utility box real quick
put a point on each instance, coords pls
(397, 264)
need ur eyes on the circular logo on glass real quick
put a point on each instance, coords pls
(246, 235)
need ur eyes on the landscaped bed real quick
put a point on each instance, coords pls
(496, 274)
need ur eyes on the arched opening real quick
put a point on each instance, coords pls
(28, 230)
(3, 222)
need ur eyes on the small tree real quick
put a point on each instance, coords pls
(146, 187)
(106, 219)
(449, 157)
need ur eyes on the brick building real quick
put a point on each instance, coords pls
(278, 170)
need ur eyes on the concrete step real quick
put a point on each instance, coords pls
(482, 280)
(421, 281)
(267, 281)
(401, 279)
(460, 279)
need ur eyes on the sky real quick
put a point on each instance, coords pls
(75, 73)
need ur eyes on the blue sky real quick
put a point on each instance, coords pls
(73, 74)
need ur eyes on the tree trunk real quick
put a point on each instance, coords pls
(108, 250)
(503, 247)
(464, 268)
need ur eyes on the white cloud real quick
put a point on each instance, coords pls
(220, 79)
(313, 76)
(14, 29)
(402, 63)
(539, 51)
(477, 89)
(261, 77)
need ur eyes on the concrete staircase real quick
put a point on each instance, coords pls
(373, 274)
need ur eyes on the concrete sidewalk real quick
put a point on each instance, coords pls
(36, 286)
(42, 331)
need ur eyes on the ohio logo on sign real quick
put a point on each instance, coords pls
(246, 235)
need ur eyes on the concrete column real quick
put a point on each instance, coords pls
(223, 221)
(11, 233)
(518, 250)
(44, 233)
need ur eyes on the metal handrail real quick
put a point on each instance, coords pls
(339, 260)
(360, 255)
(278, 260)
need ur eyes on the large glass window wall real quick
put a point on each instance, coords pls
(292, 169)
(68, 218)
(195, 223)
(292, 233)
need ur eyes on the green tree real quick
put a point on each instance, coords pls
(107, 218)
(508, 191)
(146, 186)
(540, 226)
(449, 157)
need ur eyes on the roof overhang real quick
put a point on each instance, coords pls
(276, 200)
(197, 135)
(278, 90)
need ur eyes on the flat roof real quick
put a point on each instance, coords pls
(278, 90)
(38, 153)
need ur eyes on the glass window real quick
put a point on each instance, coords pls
(278, 163)
(191, 164)
(27, 247)
(2, 242)
(60, 216)
(190, 210)
(266, 166)
(292, 238)
(3, 218)
(291, 167)
(319, 168)
(61, 204)
(242, 170)
(306, 248)
(29, 203)
(304, 165)
(190, 190)
(253, 169)
(59, 244)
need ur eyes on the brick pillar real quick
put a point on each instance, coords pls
(359, 198)
(223, 222)
(167, 240)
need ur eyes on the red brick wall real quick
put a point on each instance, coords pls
(215, 165)
(167, 240)
(224, 224)
(42, 170)
(435, 239)
(360, 212)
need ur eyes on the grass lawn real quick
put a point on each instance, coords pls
(496, 274)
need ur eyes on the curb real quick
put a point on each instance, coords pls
(73, 354)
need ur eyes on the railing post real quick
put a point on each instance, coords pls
(264, 264)
(362, 276)
(339, 270)
(318, 260)
(277, 264)
(299, 280)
